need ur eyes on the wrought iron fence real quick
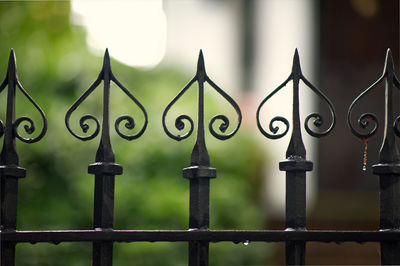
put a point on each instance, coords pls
(199, 173)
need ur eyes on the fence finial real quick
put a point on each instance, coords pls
(389, 152)
(9, 161)
(296, 146)
(388, 167)
(12, 82)
(201, 77)
(199, 172)
(389, 65)
(106, 75)
(296, 68)
(201, 70)
(295, 164)
(368, 122)
(105, 167)
(296, 75)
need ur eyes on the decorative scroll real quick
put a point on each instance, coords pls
(222, 118)
(273, 125)
(183, 120)
(369, 121)
(105, 75)
(317, 119)
(12, 82)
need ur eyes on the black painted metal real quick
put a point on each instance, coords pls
(200, 172)
(105, 167)
(236, 236)
(389, 160)
(296, 164)
(9, 169)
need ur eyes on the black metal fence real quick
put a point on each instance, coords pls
(200, 172)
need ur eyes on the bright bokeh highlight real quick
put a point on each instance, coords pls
(135, 32)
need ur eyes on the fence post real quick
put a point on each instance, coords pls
(9, 169)
(388, 170)
(296, 164)
(388, 167)
(105, 167)
(199, 173)
(104, 170)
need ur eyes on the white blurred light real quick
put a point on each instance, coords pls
(134, 31)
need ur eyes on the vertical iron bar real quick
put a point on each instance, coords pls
(199, 174)
(387, 169)
(296, 166)
(104, 170)
(199, 219)
(295, 215)
(9, 163)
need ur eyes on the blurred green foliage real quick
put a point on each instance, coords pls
(55, 67)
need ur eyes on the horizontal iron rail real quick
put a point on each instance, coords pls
(58, 236)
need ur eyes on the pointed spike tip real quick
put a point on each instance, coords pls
(296, 58)
(200, 63)
(389, 55)
(388, 52)
(296, 62)
(106, 61)
(12, 60)
(12, 54)
(201, 57)
(106, 54)
(389, 65)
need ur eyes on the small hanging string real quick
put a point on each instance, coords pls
(365, 154)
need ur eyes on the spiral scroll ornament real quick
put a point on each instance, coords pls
(316, 119)
(222, 119)
(83, 121)
(129, 121)
(185, 124)
(106, 76)
(12, 82)
(368, 122)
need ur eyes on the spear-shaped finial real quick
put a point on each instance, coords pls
(389, 65)
(200, 154)
(9, 153)
(296, 69)
(201, 70)
(105, 152)
(106, 61)
(295, 148)
(389, 151)
(12, 62)
(9, 163)
(181, 121)
(368, 122)
(389, 160)
(296, 145)
(105, 75)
